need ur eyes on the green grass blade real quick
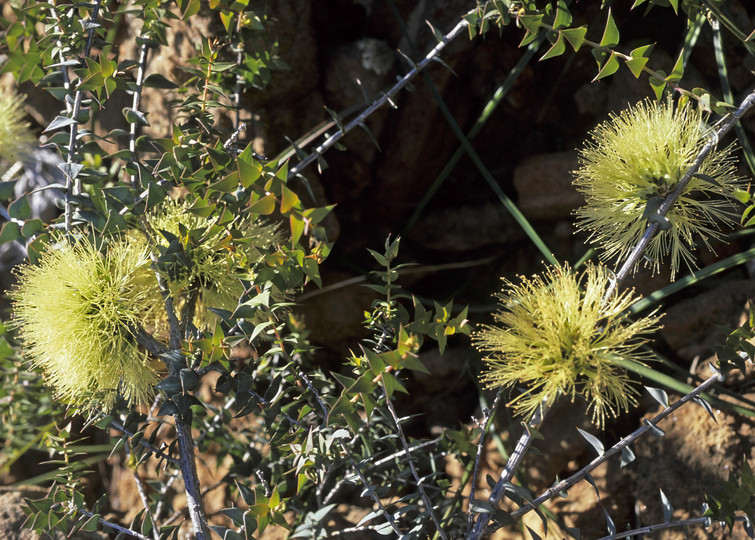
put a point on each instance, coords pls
(692, 279)
(491, 106)
(680, 387)
(721, 17)
(467, 147)
(694, 27)
(505, 200)
(723, 75)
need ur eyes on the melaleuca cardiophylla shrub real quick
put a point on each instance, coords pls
(223, 259)
(78, 310)
(211, 268)
(212, 249)
(304, 416)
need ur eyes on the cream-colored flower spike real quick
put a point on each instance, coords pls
(76, 312)
(557, 334)
(632, 162)
(215, 264)
(15, 136)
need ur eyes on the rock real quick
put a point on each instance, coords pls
(544, 185)
(444, 396)
(465, 228)
(355, 75)
(357, 71)
(334, 316)
(690, 327)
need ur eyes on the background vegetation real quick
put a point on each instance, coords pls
(304, 403)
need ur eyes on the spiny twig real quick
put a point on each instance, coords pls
(114, 526)
(143, 53)
(382, 100)
(623, 443)
(73, 184)
(484, 425)
(410, 460)
(522, 446)
(694, 522)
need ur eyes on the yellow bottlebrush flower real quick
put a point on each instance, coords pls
(557, 334)
(633, 161)
(15, 136)
(75, 313)
(215, 266)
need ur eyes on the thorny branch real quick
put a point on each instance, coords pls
(623, 443)
(73, 184)
(382, 100)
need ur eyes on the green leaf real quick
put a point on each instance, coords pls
(610, 67)
(363, 385)
(289, 199)
(155, 195)
(636, 65)
(437, 33)
(188, 8)
(71, 170)
(658, 84)
(135, 117)
(115, 222)
(297, 228)
(156, 80)
(11, 231)
(531, 22)
(658, 394)
(563, 17)
(6, 189)
(264, 206)
(678, 70)
(654, 430)
(611, 33)
(382, 261)
(640, 56)
(557, 49)
(37, 246)
(593, 440)
(742, 196)
(31, 227)
(90, 525)
(227, 184)
(527, 39)
(248, 172)
(414, 363)
(627, 456)
(312, 270)
(59, 122)
(662, 221)
(20, 209)
(392, 384)
(575, 36)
